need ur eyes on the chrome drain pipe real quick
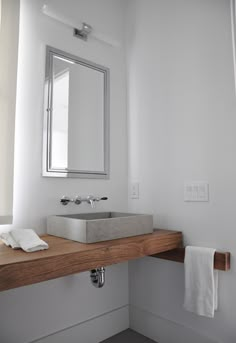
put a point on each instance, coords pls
(97, 277)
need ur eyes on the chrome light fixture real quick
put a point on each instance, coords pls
(84, 32)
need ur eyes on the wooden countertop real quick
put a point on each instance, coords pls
(65, 257)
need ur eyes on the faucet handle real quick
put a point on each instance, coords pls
(98, 198)
(78, 200)
(92, 199)
(65, 200)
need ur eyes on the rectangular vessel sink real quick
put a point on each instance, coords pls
(100, 226)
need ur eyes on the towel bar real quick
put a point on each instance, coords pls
(221, 260)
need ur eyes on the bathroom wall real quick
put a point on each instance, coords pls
(9, 34)
(182, 125)
(70, 305)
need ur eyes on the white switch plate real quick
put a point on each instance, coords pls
(134, 190)
(196, 191)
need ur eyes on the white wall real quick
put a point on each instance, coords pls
(9, 34)
(182, 122)
(42, 195)
(32, 312)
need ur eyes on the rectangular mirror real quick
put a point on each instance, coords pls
(76, 125)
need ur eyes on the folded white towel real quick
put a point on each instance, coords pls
(9, 240)
(25, 239)
(201, 281)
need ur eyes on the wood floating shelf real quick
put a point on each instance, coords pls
(65, 257)
(221, 259)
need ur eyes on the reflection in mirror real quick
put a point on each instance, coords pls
(76, 136)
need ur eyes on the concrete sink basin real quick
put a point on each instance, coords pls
(100, 226)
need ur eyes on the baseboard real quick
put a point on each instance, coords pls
(162, 330)
(94, 330)
(108, 324)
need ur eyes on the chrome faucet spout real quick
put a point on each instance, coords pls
(92, 203)
(91, 200)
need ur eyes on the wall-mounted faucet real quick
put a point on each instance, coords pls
(90, 199)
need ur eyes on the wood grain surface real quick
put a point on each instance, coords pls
(221, 259)
(65, 257)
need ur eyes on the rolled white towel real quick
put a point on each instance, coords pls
(26, 239)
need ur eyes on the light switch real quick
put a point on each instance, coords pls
(196, 191)
(134, 190)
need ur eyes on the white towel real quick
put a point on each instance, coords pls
(26, 239)
(8, 240)
(201, 281)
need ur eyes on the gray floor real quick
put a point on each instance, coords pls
(128, 336)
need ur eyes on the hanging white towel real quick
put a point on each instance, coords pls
(26, 239)
(201, 281)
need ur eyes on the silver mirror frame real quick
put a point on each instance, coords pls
(47, 170)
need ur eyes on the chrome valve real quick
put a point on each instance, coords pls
(65, 200)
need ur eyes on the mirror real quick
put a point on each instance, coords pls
(76, 125)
